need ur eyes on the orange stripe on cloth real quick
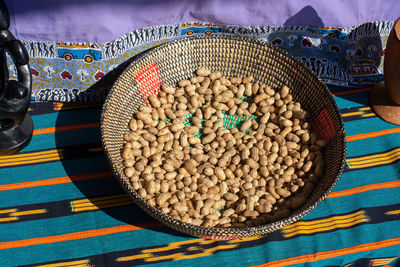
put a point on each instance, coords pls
(58, 180)
(77, 235)
(372, 134)
(333, 253)
(66, 128)
(354, 91)
(363, 189)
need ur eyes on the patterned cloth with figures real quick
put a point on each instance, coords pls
(350, 56)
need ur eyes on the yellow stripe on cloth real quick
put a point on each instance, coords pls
(150, 255)
(368, 115)
(393, 212)
(376, 163)
(323, 229)
(30, 158)
(47, 159)
(68, 106)
(325, 224)
(181, 256)
(101, 202)
(364, 112)
(67, 264)
(352, 114)
(104, 206)
(8, 219)
(13, 214)
(246, 239)
(330, 219)
(373, 160)
(28, 212)
(134, 257)
(381, 262)
(96, 200)
(7, 211)
(176, 245)
(24, 155)
(375, 156)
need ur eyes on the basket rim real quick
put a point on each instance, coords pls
(200, 229)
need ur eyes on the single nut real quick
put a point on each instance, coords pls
(203, 72)
(245, 125)
(155, 103)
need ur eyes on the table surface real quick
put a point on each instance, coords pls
(61, 206)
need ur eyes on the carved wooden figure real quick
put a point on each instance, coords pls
(16, 125)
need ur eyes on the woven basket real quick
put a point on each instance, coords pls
(233, 56)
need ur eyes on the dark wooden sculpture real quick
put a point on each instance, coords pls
(16, 125)
(385, 96)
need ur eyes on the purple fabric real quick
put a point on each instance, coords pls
(105, 20)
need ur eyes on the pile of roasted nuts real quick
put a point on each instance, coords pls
(221, 152)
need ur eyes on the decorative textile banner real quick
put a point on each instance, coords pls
(68, 72)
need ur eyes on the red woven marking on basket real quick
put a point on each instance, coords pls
(149, 81)
(323, 126)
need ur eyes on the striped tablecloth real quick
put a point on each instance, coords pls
(61, 206)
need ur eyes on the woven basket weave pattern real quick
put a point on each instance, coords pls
(233, 56)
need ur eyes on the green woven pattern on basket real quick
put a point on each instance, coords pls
(229, 121)
(187, 121)
(232, 121)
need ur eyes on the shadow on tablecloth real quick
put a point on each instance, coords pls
(105, 193)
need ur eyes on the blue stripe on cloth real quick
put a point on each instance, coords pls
(53, 170)
(373, 145)
(353, 202)
(352, 100)
(88, 246)
(304, 245)
(67, 138)
(75, 223)
(91, 188)
(64, 118)
(351, 179)
(391, 251)
(366, 126)
(78, 116)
